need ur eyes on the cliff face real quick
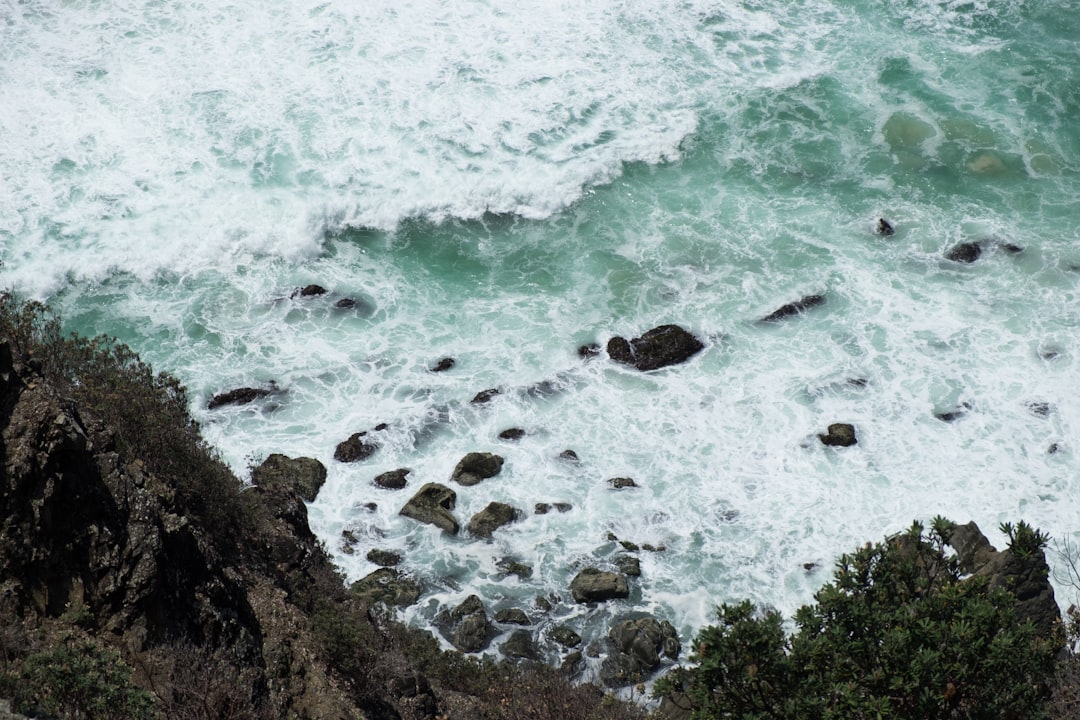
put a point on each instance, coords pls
(95, 542)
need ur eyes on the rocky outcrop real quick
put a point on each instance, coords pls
(638, 647)
(967, 252)
(389, 586)
(660, 347)
(491, 518)
(393, 479)
(794, 308)
(432, 505)
(839, 435)
(303, 474)
(476, 467)
(359, 446)
(238, 396)
(467, 626)
(594, 585)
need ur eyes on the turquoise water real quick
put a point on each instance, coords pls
(503, 184)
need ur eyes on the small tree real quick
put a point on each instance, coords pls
(898, 633)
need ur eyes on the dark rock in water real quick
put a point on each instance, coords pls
(587, 352)
(964, 252)
(542, 603)
(468, 625)
(794, 308)
(393, 480)
(345, 303)
(541, 508)
(513, 567)
(950, 415)
(491, 518)
(239, 396)
(569, 456)
(521, 646)
(1040, 409)
(358, 447)
(370, 506)
(565, 636)
(593, 585)
(432, 504)
(485, 396)
(884, 227)
(839, 435)
(628, 565)
(1054, 449)
(629, 545)
(443, 365)
(641, 642)
(512, 616)
(512, 434)
(303, 474)
(476, 467)
(1009, 248)
(653, 548)
(571, 664)
(622, 482)
(1025, 576)
(310, 291)
(387, 585)
(563, 507)
(660, 347)
(384, 558)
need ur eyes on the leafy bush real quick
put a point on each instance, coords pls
(897, 634)
(79, 679)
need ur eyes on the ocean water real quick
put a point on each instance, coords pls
(502, 183)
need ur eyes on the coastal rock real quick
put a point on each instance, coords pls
(967, 252)
(594, 585)
(628, 565)
(521, 646)
(514, 567)
(589, 351)
(432, 504)
(794, 308)
(476, 467)
(303, 474)
(512, 616)
(358, 447)
(467, 626)
(393, 479)
(638, 644)
(622, 482)
(565, 636)
(884, 227)
(491, 518)
(389, 586)
(660, 347)
(238, 396)
(383, 558)
(839, 435)
(310, 291)
(512, 434)
(485, 396)
(443, 365)
(569, 456)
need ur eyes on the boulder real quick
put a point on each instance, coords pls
(794, 308)
(310, 291)
(514, 567)
(967, 252)
(565, 636)
(443, 365)
(238, 396)
(570, 456)
(467, 626)
(521, 646)
(303, 474)
(839, 435)
(884, 227)
(383, 558)
(392, 480)
(475, 467)
(389, 586)
(593, 585)
(512, 616)
(491, 518)
(660, 347)
(512, 434)
(638, 646)
(358, 447)
(588, 351)
(432, 504)
(485, 396)
(622, 482)
(628, 565)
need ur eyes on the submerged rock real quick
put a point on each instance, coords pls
(839, 435)
(967, 252)
(521, 646)
(485, 396)
(303, 474)
(884, 227)
(476, 467)
(358, 447)
(432, 505)
(443, 365)
(660, 347)
(491, 518)
(593, 585)
(794, 308)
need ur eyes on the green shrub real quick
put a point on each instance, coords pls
(79, 679)
(896, 634)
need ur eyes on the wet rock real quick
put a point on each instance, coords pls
(512, 616)
(309, 291)
(303, 474)
(1040, 409)
(639, 644)
(884, 227)
(629, 545)
(443, 365)
(589, 351)
(485, 396)
(521, 646)
(432, 504)
(569, 456)
(565, 636)
(839, 435)
(952, 415)
(238, 396)
(572, 663)
(622, 482)
(654, 548)
(541, 508)
(384, 558)
(543, 604)
(467, 625)
(476, 467)
(512, 434)
(660, 347)
(794, 308)
(1010, 249)
(389, 586)
(563, 507)
(358, 447)
(628, 565)
(593, 585)
(393, 480)
(491, 518)
(345, 304)
(967, 252)
(513, 567)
